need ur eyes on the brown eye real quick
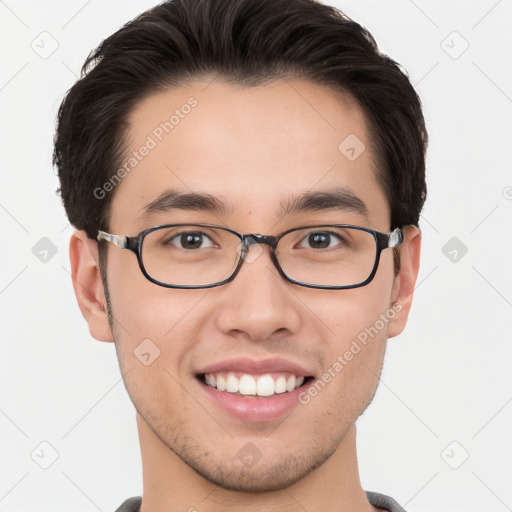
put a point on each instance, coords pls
(320, 240)
(190, 240)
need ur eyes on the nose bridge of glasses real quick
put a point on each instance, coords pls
(256, 238)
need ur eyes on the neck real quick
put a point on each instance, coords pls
(171, 485)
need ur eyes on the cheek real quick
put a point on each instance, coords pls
(143, 309)
(347, 313)
(357, 322)
(353, 359)
(154, 327)
(154, 330)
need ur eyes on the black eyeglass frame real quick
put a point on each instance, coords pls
(134, 244)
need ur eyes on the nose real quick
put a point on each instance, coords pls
(258, 302)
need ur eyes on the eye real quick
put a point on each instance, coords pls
(320, 240)
(191, 240)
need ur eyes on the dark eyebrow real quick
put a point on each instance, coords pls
(336, 199)
(170, 200)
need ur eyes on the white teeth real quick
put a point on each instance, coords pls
(290, 383)
(280, 385)
(247, 385)
(221, 383)
(232, 384)
(265, 385)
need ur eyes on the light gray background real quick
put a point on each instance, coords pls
(446, 390)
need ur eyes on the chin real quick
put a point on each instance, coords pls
(258, 478)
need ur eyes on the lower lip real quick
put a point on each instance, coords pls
(255, 408)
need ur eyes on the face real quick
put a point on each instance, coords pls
(254, 150)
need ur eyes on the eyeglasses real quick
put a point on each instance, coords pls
(333, 257)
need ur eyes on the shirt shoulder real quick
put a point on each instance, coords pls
(382, 501)
(130, 505)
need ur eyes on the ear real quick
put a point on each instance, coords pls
(85, 272)
(403, 287)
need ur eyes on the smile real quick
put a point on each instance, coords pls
(246, 384)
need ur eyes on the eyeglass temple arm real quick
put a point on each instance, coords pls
(396, 237)
(119, 240)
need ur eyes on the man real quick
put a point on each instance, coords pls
(246, 179)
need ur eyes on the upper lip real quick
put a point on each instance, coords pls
(246, 365)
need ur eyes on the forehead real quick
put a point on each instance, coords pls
(252, 147)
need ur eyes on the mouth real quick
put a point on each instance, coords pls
(254, 390)
(254, 385)
(254, 398)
